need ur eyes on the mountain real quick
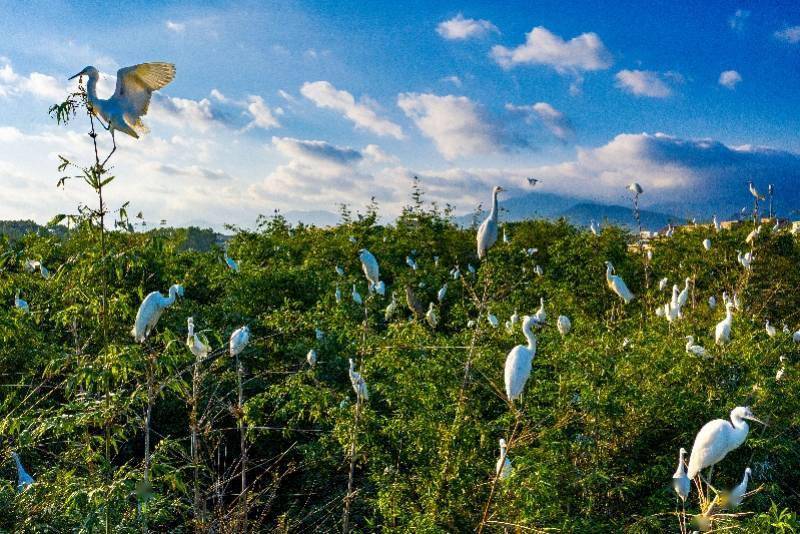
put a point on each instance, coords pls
(583, 214)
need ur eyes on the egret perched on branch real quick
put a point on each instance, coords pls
(540, 317)
(719, 437)
(239, 340)
(680, 482)
(338, 294)
(311, 358)
(492, 318)
(735, 497)
(359, 385)
(683, 296)
(503, 468)
(753, 191)
(370, 266)
(519, 362)
(23, 478)
(197, 343)
(487, 232)
(752, 235)
(21, 304)
(430, 316)
(745, 259)
(150, 311)
(712, 302)
(230, 262)
(441, 293)
(593, 228)
(722, 332)
(707, 244)
(390, 308)
(339, 270)
(663, 283)
(356, 296)
(782, 370)
(635, 188)
(563, 324)
(131, 98)
(617, 285)
(771, 331)
(538, 270)
(715, 223)
(380, 288)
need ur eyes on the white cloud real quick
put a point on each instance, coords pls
(183, 112)
(643, 83)
(790, 35)
(738, 19)
(362, 114)
(217, 95)
(585, 52)
(177, 27)
(261, 114)
(455, 123)
(554, 120)
(374, 153)
(455, 80)
(459, 28)
(729, 79)
(36, 84)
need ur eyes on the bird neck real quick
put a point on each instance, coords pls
(91, 89)
(493, 213)
(681, 466)
(739, 424)
(526, 330)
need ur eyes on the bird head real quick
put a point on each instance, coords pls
(502, 443)
(744, 412)
(497, 189)
(89, 71)
(682, 451)
(689, 338)
(748, 473)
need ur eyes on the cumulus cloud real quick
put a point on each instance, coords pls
(643, 83)
(193, 171)
(554, 120)
(36, 84)
(177, 27)
(790, 35)
(261, 113)
(729, 79)
(362, 114)
(585, 52)
(374, 153)
(456, 124)
(459, 28)
(183, 112)
(455, 80)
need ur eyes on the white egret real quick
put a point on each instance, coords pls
(593, 228)
(753, 191)
(197, 343)
(411, 263)
(352, 239)
(514, 319)
(23, 478)
(380, 288)
(538, 270)
(672, 313)
(390, 308)
(649, 255)
(617, 285)
(150, 311)
(771, 331)
(540, 317)
(531, 251)
(359, 385)
(726, 299)
(782, 370)
(663, 283)
(796, 337)
(456, 272)
(680, 482)
(338, 294)
(492, 318)
(737, 303)
(563, 324)
(311, 358)
(487, 231)
(722, 332)
(745, 259)
(519, 362)
(319, 334)
(356, 296)
(715, 223)
(661, 311)
(436, 261)
(30, 266)
(503, 468)
(470, 323)
(21, 304)
(670, 230)
(674, 303)
(505, 237)
(441, 293)
(370, 267)
(339, 270)
(735, 497)
(752, 235)
(707, 244)
(712, 302)
(693, 348)
(635, 188)
(683, 297)
(430, 316)
(230, 262)
(131, 98)
(786, 329)
(471, 268)
(719, 437)
(239, 340)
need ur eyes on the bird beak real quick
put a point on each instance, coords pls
(79, 74)
(756, 419)
(500, 190)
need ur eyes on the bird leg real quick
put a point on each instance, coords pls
(114, 149)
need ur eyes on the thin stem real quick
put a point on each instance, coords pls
(242, 441)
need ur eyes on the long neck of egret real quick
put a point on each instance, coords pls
(526, 330)
(91, 90)
(493, 213)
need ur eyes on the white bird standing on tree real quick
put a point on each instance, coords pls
(487, 231)
(519, 362)
(663, 283)
(492, 318)
(131, 98)
(197, 343)
(230, 262)
(715, 223)
(356, 296)
(771, 331)
(441, 293)
(735, 497)
(358, 382)
(693, 348)
(23, 478)
(370, 267)
(239, 340)
(311, 358)
(707, 244)
(617, 285)
(745, 259)
(722, 332)
(782, 370)
(390, 308)
(150, 311)
(540, 317)
(563, 324)
(753, 191)
(503, 468)
(719, 437)
(680, 482)
(21, 304)
(712, 302)
(430, 316)
(683, 296)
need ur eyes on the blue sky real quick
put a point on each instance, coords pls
(303, 105)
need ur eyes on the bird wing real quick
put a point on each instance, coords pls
(517, 370)
(710, 446)
(135, 84)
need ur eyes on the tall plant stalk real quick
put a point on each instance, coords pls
(242, 442)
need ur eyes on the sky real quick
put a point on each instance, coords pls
(303, 106)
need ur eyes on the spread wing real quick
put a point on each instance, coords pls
(135, 85)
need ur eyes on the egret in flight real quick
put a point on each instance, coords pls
(719, 437)
(519, 362)
(617, 285)
(131, 98)
(150, 311)
(503, 469)
(487, 232)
